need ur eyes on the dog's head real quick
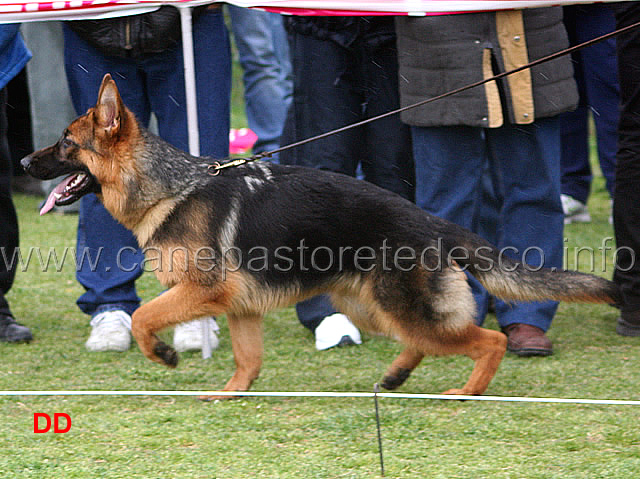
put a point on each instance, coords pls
(87, 152)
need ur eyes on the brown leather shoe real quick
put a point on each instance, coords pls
(526, 340)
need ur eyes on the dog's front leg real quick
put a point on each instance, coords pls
(246, 341)
(183, 302)
(401, 368)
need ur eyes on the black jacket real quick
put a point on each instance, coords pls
(133, 36)
(376, 30)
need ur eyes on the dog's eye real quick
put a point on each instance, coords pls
(67, 143)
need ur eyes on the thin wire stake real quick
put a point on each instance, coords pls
(376, 390)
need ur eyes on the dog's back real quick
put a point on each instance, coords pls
(294, 224)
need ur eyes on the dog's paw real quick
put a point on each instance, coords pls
(217, 398)
(458, 392)
(166, 353)
(391, 382)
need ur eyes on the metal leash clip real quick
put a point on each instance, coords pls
(214, 169)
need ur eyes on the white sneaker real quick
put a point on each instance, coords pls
(110, 331)
(574, 211)
(189, 336)
(336, 330)
(610, 212)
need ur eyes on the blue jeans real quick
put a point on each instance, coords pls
(264, 56)
(596, 74)
(113, 260)
(450, 166)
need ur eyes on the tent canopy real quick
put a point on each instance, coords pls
(28, 10)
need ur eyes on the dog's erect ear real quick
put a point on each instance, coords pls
(109, 109)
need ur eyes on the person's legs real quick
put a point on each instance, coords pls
(532, 217)
(576, 167)
(19, 128)
(626, 214)
(322, 105)
(328, 102)
(601, 86)
(387, 159)
(9, 330)
(258, 36)
(576, 170)
(486, 218)
(8, 218)
(165, 88)
(213, 81)
(312, 311)
(281, 44)
(449, 164)
(85, 67)
(109, 260)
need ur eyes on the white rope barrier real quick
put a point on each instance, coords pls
(323, 394)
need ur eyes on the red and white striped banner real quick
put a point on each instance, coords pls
(24, 11)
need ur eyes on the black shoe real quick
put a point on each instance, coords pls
(12, 332)
(346, 340)
(628, 325)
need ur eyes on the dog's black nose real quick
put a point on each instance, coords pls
(26, 163)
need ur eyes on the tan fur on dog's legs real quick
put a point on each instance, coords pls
(401, 368)
(486, 348)
(246, 341)
(181, 303)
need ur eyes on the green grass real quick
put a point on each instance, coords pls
(257, 437)
(148, 437)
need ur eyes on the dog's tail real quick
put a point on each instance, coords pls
(515, 281)
(519, 283)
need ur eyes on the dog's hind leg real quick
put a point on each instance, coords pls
(246, 341)
(457, 333)
(401, 368)
(442, 324)
(181, 303)
(486, 347)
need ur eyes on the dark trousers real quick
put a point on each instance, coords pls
(336, 84)
(19, 121)
(8, 218)
(595, 73)
(626, 206)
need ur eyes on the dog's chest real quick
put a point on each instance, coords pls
(176, 264)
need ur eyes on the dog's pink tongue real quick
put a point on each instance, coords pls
(55, 194)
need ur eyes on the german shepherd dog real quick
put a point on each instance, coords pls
(262, 236)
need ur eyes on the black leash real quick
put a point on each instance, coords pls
(215, 168)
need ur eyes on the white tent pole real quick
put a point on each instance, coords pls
(190, 80)
(192, 126)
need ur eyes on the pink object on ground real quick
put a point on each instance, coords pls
(241, 140)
